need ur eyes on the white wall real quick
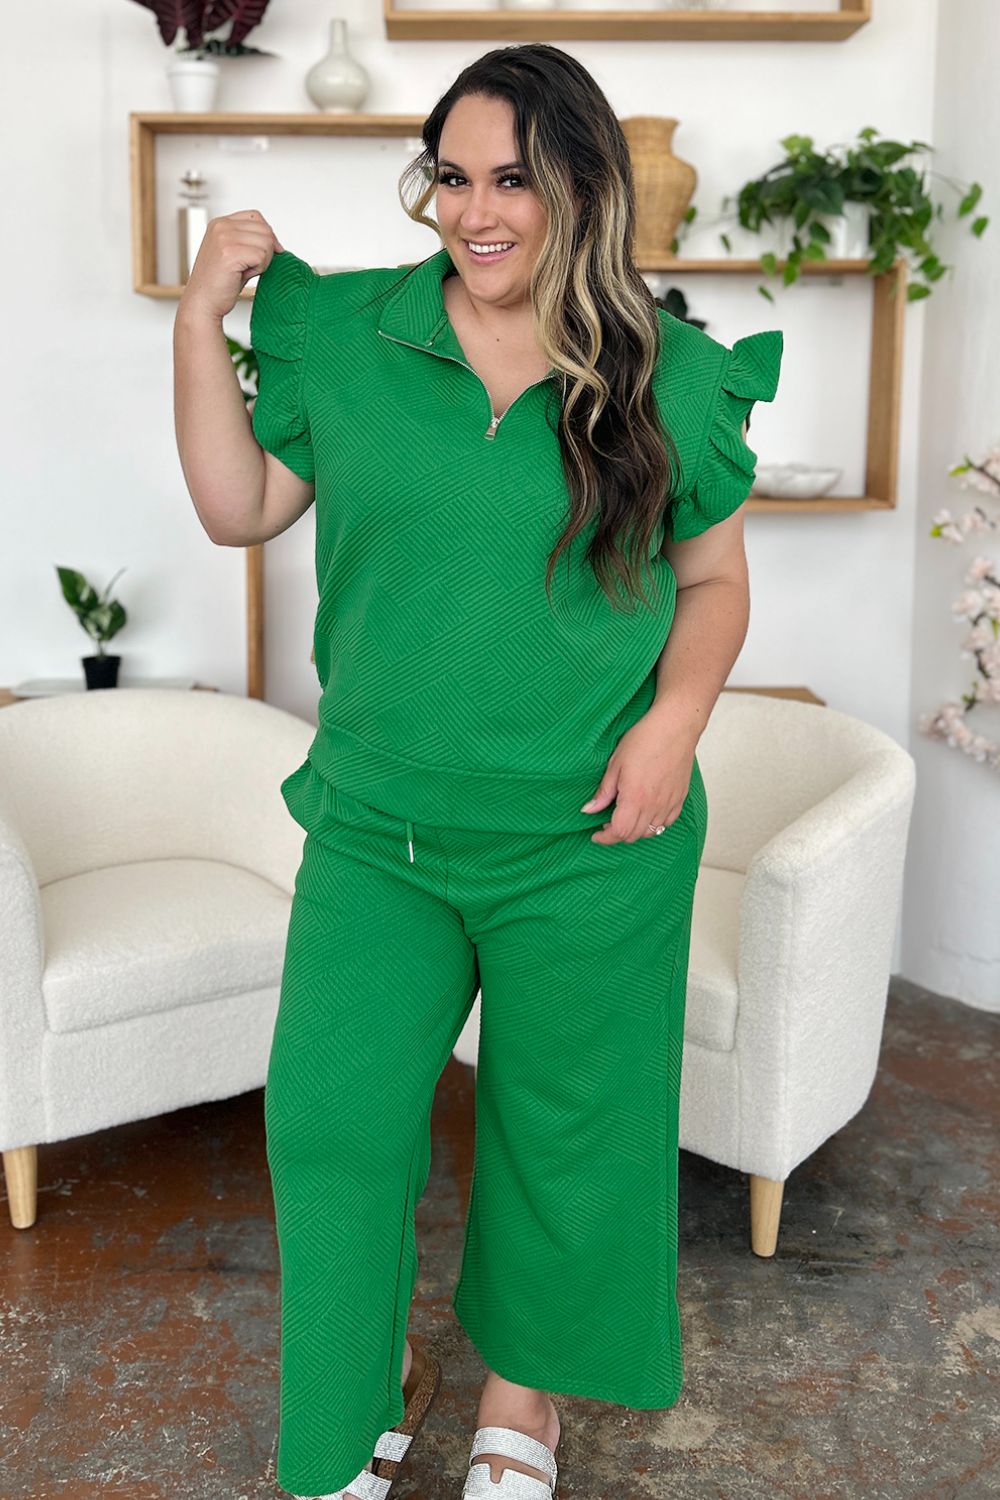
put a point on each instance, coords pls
(91, 470)
(951, 916)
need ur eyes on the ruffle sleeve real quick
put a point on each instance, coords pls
(279, 324)
(725, 471)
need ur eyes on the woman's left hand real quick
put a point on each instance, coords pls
(647, 776)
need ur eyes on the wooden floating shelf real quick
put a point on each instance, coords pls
(753, 266)
(780, 503)
(222, 122)
(676, 265)
(503, 24)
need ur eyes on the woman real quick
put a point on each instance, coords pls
(532, 586)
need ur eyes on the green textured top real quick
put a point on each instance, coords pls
(452, 692)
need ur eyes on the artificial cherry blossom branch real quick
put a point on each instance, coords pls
(980, 606)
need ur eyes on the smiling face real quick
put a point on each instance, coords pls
(484, 198)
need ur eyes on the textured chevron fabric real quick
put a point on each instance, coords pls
(568, 1275)
(452, 689)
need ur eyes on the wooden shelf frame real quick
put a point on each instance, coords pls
(885, 374)
(567, 24)
(145, 127)
(887, 326)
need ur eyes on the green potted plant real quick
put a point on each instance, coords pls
(673, 301)
(193, 73)
(245, 363)
(101, 617)
(865, 186)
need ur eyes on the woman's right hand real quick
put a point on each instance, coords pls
(234, 248)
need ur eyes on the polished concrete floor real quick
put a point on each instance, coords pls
(139, 1313)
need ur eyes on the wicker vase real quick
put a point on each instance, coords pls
(664, 184)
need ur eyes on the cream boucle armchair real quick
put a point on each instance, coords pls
(147, 864)
(794, 921)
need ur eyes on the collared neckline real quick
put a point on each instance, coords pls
(415, 310)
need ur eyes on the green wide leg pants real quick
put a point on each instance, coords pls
(568, 1276)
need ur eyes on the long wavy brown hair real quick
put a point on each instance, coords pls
(595, 318)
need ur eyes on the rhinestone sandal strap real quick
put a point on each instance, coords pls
(513, 1444)
(393, 1444)
(513, 1485)
(368, 1486)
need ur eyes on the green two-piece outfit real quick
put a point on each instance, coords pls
(463, 720)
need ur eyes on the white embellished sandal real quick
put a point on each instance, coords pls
(514, 1485)
(392, 1446)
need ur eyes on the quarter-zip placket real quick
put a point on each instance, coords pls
(495, 420)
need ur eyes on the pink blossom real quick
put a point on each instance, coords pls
(975, 480)
(979, 606)
(969, 604)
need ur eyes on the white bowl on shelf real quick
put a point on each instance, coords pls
(794, 481)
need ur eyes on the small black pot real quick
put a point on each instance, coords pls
(101, 671)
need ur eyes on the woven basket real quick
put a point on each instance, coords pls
(664, 184)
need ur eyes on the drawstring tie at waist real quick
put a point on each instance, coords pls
(409, 838)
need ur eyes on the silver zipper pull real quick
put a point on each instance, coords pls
(492, 428)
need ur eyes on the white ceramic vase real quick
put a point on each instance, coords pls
(337, 84)
(194, 84)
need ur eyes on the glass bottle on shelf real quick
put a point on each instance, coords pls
(192, 221)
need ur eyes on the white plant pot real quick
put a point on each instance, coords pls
(848, 233)
(194, 84)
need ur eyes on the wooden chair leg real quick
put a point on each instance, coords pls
(765, 1214)
(20, 1168)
